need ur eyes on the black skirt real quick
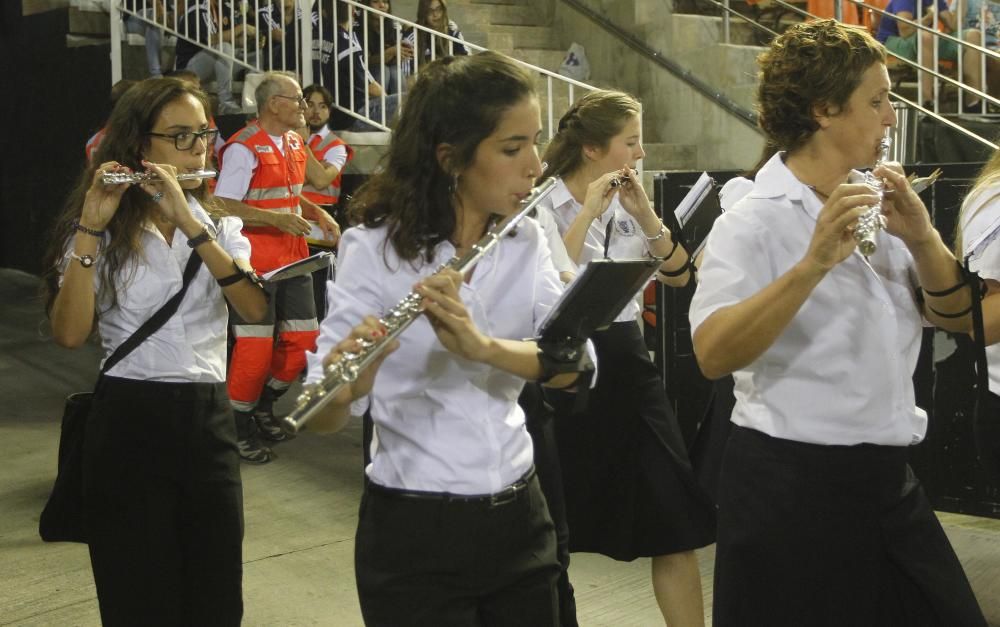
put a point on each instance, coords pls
(630, 490)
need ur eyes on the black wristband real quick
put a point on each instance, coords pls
(942, 293)
(672, 250)
(960, 314)
(201, 238)
(557, 359)
(671, 274)
(232, 278)
(87, 229)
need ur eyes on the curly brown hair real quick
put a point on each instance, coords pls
(813, 64)
(457, 101)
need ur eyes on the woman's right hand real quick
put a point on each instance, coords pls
(371, 330)
(599, 195)
(102, 201)
(833, 238)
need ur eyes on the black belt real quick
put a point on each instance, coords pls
(508, 495)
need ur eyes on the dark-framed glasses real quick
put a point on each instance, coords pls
(185, 139)
(302, 102)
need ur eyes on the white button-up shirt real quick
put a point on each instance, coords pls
(443, 423)
(191, 345)
(627, 239)
(841, 372)
(980, 213)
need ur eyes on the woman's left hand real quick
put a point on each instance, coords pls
(905, 214)
(167, 192)
(449, 317)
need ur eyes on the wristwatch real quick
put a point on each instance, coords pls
(85, 260)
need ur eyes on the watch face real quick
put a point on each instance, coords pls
(86, 261)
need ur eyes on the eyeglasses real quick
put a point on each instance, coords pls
(299, 99)
(438, 10)
(185, 139)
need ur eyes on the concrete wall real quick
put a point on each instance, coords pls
(674, 114)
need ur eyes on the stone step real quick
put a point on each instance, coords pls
(89, 22)
(539, 57)
(523, 36)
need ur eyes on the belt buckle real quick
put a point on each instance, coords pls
(507, 495)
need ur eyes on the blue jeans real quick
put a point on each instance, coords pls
(154, 40)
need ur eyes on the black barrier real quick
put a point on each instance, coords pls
(944, 379)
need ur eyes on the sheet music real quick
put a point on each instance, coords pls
(693, 198)
(300, 267)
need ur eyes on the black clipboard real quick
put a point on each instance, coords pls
(693, 218)
(595, 298)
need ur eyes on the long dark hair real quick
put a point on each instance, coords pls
(457, 101)
(133, 117)
(422, 44)
(592, 121)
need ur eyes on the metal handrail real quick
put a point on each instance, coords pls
(311, 46)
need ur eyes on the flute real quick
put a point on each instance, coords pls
(872, 221)
(335, 376)
(621, 179)
(119, 178)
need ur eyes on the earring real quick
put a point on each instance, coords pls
(453, 187)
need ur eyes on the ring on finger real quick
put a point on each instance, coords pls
(157, 197)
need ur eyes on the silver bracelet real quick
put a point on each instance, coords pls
(659, 235)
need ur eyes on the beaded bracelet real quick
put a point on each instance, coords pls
(87, 229)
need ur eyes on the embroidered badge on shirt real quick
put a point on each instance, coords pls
(293, 141)
(263, 148)
(625, 227)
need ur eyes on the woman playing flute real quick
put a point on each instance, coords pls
(629, 486)
(821, 520)
(453, 528)
(162, 493)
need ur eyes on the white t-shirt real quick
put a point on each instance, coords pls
(841, 371)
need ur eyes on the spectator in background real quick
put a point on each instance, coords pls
(328, 154)
(385, 46)
(277, 24)
(156, 14)
(979, 16)
(901, 39)
(434, 15)
(215, 25)
(350, 72)
(117, 91)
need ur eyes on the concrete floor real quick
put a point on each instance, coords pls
(300, 512)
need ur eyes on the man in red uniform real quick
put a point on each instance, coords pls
(323, 174)
(263, 169)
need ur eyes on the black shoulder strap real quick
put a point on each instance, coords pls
(607, 234)
(158, 319)
(983, 455)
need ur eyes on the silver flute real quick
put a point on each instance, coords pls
(335, 376)
(622, 179)
(119, 178)
(872, 221)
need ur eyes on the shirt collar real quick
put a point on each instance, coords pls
(775, 180)
(560, 195)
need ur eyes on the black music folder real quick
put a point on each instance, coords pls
(693, 218)
(595, 298)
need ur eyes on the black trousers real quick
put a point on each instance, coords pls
(831, 535)
(540, 422)
(164, 504)
(426, 559)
